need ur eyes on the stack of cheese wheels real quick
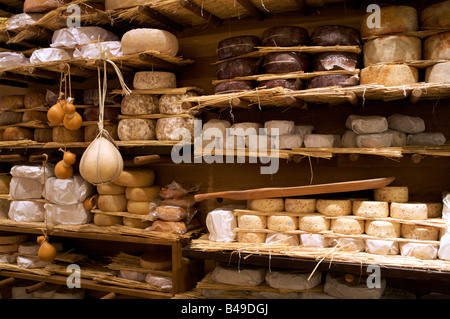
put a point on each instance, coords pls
(33, 101)
(9, 243)
(333, 35)
(417, 249)
(137, 184)
(368, 131)
(384, 45)
(10, 116)
(231, 66)
(110, 118)
(111, 199)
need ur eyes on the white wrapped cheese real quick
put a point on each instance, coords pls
(348, 244)
(67, 214)
(314, 240)
(162, 282)
(220, 224)
(290, 141)
(279, 127)
(322, 140)
(419, 250)
(381, 247)
(98, 50)
(73, 37)
(25, 188)
(67, 191)
(12, 60)
(215, 128)
(282, 239)
(398, 138)
(444, 246)
(31, 262)
(34, 172)
(426, 139)
(337, 286)
(26, 211)
(367, 124)
(239, 277)
(406, 123)
(8, 259)
(374, 140)
(348, 139)
(303, 130)
(132, 275)
(294, 280)
(21, 20)
(49, 55)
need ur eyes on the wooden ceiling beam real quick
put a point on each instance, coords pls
(209, 17)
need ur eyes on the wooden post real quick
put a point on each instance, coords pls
(141, 160)
(352, 99)
(415, 96)
(237, 102)
(7, 282)
(35, 287)
(111, 295)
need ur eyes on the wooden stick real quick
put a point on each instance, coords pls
(37, 158)
(111, 295)
(35, 287)
(160, 18)
(292, 101)
(415, 96)
(12, 158)
(7, 282)
(352, 99)
(250, 7)
(141, 160)
(209, 17)
(237, 102)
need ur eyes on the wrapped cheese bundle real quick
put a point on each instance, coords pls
(426, 138)
(406, 124)
(21, 20)
(367, 124)
(73, 37)
(34, 172)
(67, 191)
(239, 277)
(49, 55)
(26, 211)
(221, 223)
(94, 50)
(25, 188)
(339, 286)
(12, 60)
(74, 214)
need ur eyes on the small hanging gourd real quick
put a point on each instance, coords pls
(55, 114)
(64, 168)
(72, 119)
(91, 202)
(47, 251)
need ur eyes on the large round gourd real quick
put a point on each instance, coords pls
(101, 163)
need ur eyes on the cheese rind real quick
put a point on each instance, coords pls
(334, 207)
(139, 104)
(389, 75)
(103, 220)
(175, 129)
(416, 211)
(394, 48)
(136, 178)
(282, 223)
(370, 209)
(149, 193)
(267, 205)
(420, 232)
(138, 207)
(145, 39)
(251, 238)
(382, 229)
(300, 205)
(313, 223)
(438, 73)
(434, 210)
(136, 223)
(436, 47)
(252, 222)
(110, 189)
(399, 194)
(148, 80)
(112, 203)
(136, 129)
(347, 226)
(436, 15)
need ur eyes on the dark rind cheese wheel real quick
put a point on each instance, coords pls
(10, 118)
(342, 80)
(285, 36)
(32, 100)
(34, 116)
(328, 61)
(234, 87)
(43, 135)
(436, 15)
(330, 35)
(17, 134)
(291, 84)
(92, 114)
(236, 46)
(90, 97)
(237, 68)
(285, 62)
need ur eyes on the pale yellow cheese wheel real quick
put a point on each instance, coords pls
(334, 207)
(347, 226)
(136, 178)
(110, 189)
(282, 223)
(112, 203)
(313, 223)
(300, 205)
(136, 223)
(370, 209)
(420, 232)
(252, 222)
(267, 205)
(142, 194)
(156, 260)
(251, 238)
(382, 229)
(416, 211)
(103, 220)
(398, 194)
(137, 207)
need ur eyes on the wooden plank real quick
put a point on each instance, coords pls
(145, 9)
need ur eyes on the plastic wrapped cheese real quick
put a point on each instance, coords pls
(49, 55)
(382, 228)
(367, 124)
(132, 275)
(293, 280)
(406, 123)
(426, 139)
(12, 60)
(26, 211)
(34, 172)
(25, 188)
(267, 205)
(370, 209)
(348, 244)
(289, 141)
(444, 246)
(239, 277)
(98, 50)
(31, 262)
(73, 37)
(418, 211)
(393, 48)
(338, 286)
(300, 205)
(334, 207)
(21, 20)
(381, 247)
(399, 194)
(419, 250)
(321, 140)
(74, 214)
(162, 282)
(67, 191)
(220, 223)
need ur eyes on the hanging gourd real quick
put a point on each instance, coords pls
(47, 251)
(102, 162)
(91, 202)
(55, 114)
(64, 168)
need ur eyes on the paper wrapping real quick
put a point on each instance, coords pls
(132, 275)
(406, 124)
(304, 130)
(282, 239)
(34, 172)
(381, 247)
(348, 139)
(26, 211)
(31, 262)
(314, 240)
(25, 188)
(444, 246)
(21, 20)
(162, 282)
(294, 280)
(426, 138)
(67, 214)
(374, 140)
(8, 259)
(239, 277)
(369, 124)
(73, 37)
(98, 50)
(336, 286)
(49, 55)
(220, 224)
(348, 244)
(419, 250)
(67, 191)
(322, 140)
(12, 60)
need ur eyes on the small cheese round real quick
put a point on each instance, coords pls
(103, 220)
(347, 226)
(382, 229)
(112, 203)
(175, 129)
(438, 73)
(147, 194)
(110, 189)
(282, 223)
(370, 209)
(313, 223)
(417, 211)
(156, 260)
(436, 15)
(398, 194)
(136, 223)
(436, 47)
(172, 103)
(252, 222)
(394, 48)
(139, 104)
(138, 207)
(251, 238)
(267, 205)
(300, 205)
(434, 210)
(136, 129)
(420, 232)
(334, 207)
(148, 80)
(136, 178)
(389, 75)
(142, 39)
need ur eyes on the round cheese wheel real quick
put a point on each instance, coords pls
(328, 61)
(252, 222)
(313, 223)
(417, 211)
(12, 102)
(139, 104)
(229, 87)
(285, 36)
(148, 80)
(92, 113)
(175, 129)
(9, 248)
(141, 40)
(436, 47)
(34, 116)
(136, 223)
(110, 189)
(172, 103)
(393, 19)
(342, 80)
(136, 178)
(436, 16)
(399, 194)
(43, 135)
(237, 68)
(382, 229)
(370, 209)
(393, 48)
(295, 84)
(63, 135)
(434, 210)
(285, 62)
(331, 35)
(32, 100)
(138, 207)
(17, 134)
(236, 46)
(282, 223)
(91, 131)
(300, 205)
(419, 232)
(103, 220)
(251, 238)
(136, 129)
(142, 194)
(438, 73)
(267, 205)
(334, 207)
(347, 226)
(10, 118)
(156, 260)
(112, 203)
(389, 75)
(42, 5)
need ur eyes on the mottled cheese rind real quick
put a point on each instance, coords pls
(136, 129)
(251, 237)
(140, 104)
(389, 74)
(175, 129)
(394, 48)
(300, 205)
(382, 229)
(313, 223)
(252, 222)
(370, 209)
(420, 232)
(172, 103)
(334, 207)
(112, 203)
(148, 80)
(282, 223)
(347, 226)
(416, 211)
(267, 205)
(398, 194)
